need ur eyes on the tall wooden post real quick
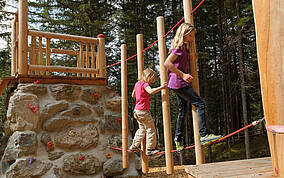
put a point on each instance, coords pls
(165, 96)
(140, 66)
(268, 16)
(124, 106)
(23, 37)
(140, 55)
(14, 49)
(188, 17)
(101, 56)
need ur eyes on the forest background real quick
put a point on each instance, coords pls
(225, 41)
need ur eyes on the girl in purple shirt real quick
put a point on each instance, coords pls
(180, 82)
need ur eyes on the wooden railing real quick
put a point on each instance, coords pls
(32, 52)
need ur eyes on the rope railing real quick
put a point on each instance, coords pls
(219, 140)
(157, 40)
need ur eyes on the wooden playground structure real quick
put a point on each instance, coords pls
(31, 61)
(31, 53)
(270, 40)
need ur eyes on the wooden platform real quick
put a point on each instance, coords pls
(256, 168)
(14, 80)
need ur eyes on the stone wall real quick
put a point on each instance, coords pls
(62, 130)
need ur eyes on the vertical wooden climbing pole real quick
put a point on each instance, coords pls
(140, 66)
(188, 17)
(124, 106)
(165, 96)
(268, 16)
(23, 37)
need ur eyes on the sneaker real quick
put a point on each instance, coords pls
(151, 152)
(208, 138)
(134, 148)
(179, 145)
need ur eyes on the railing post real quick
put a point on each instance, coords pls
(14, 48)
(124, 106)
(23, 37)
(101, 56)
(188, 18)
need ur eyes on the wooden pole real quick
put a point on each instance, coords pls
(81, 57)
(268, 16)
(17, 41)
(93, 54)
(140, 55)
(200, 159)
(40, 53)
(23, 37)
(124, 107)
(165, 96)
(102, 56)
(47, 53)
(87, 56)
(140, 66)
(14, 38)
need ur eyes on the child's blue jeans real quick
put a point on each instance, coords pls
(184, 96)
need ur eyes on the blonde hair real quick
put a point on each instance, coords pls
(149, 74)
(178, 40)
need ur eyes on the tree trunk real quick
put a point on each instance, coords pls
(243, 90)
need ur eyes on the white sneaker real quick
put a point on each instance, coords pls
(151, 152)
(134, 148)
(208, 138)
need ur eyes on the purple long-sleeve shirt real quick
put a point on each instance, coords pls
(180, 63)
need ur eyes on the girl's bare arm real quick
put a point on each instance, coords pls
(156, 90)
(133, 94)
(169, 64)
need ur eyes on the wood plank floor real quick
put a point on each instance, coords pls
(256, 168)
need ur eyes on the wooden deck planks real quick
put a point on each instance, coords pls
(260, 167)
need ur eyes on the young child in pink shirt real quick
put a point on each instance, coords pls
(142, 114)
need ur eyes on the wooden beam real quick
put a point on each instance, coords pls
(44, 68)
(61, 79)
(3, 85)
(63, 36)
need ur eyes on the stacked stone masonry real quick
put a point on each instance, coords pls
(63, 130)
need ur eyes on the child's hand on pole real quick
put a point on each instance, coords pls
(164, 85)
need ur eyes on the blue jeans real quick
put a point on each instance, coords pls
(184, 96)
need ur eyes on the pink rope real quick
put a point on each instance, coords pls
(157, 40)
(223, 138)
